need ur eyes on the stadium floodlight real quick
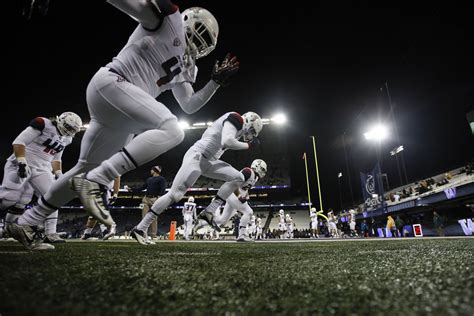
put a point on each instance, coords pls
(339, 175)
(396, 150)
(279, 118)
(378, 133)
(209, 123)
(265, 121)
(183, 124)
(200, 124)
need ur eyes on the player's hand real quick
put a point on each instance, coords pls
(57, 174)
(113, 199)
(254, 142)
(222, 72)
(23, 168)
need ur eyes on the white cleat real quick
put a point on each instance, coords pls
(29, 237)
(92, 196)
(54, 239)
(245, 239)
(111, 232)
(139, 236)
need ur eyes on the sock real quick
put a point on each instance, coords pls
(13, 213)
(36, 215)
(215, 204)
(242, 231)
(111, 168)
(50, 223)
(146, 221)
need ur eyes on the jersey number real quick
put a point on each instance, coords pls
(170, 73)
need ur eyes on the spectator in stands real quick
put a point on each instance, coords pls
(423, 187)
(155, 187)
(438, 223)
(391, 227)
(399, 223)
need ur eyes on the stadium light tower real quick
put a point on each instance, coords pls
(183, 124)
(377, 133)
(279, 118)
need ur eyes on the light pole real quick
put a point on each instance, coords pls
(377, 134)
(394, 152)
(396, 133)
(339, 176)
(348, 171)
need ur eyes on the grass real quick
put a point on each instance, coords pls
(404, 277)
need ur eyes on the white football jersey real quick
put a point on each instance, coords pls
(313, 216)
(210, 144)
(45, 148)
(189, 209)
(282, 218)
(352, 217)
(153, 60)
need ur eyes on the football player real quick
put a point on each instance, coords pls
(281, 224)
(189, 215)
(203, 158)
(238, 202)
(121, 97)
(332, 224)
(352, 223)
(290, 225)
(313, 215)
(259, 234)
(33, 166)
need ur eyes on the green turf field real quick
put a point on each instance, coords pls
(409, 277)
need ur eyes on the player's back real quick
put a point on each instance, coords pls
(153, 60)
(41, 151)
(210, 144)
(189, 208)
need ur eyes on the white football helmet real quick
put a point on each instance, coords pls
(252, 125)
(282, 212)
(190, 199)
(201, 30)
(351, 211)
(68, 123)
(313, 209)
(259, 167)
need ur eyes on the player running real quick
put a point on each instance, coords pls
(203, 158)
(121, 97)
(33, 166)
(189, 215)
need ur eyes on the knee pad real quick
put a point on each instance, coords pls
(172, 128)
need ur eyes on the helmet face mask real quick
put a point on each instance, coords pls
(259, 167)
(68, 123)
(201, 31)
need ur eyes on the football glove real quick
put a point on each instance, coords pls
(23, 168)
(254, 142)
(226, 69)
(113, 199)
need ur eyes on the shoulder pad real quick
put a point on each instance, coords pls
(38, 123)
(235, 119)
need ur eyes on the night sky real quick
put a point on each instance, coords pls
(324, 66)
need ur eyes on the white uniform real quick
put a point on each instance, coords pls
(352, 223)
(282, 226)
(189, 214)
(259, 234)
(314, 219)
(43, 144)
(203, 159)
(332, 227)
(289, 227)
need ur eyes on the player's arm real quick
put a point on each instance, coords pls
(229, 140)
(149, 13)
(116, 187)
(191, 101)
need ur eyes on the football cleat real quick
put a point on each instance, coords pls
(29, 237)
(139, 236)
(244, 239)
(109, 233)
(53, 239)
(93, 197)
(209, 218)
(86, 236)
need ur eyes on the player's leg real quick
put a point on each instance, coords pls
(230, 209)
(11, 191)
(233, 178)
(124, 106)
(247, 213)
(90, 224)
(187, 175)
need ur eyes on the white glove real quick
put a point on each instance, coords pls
(23, 168)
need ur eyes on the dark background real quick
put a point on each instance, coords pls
(323, 65)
